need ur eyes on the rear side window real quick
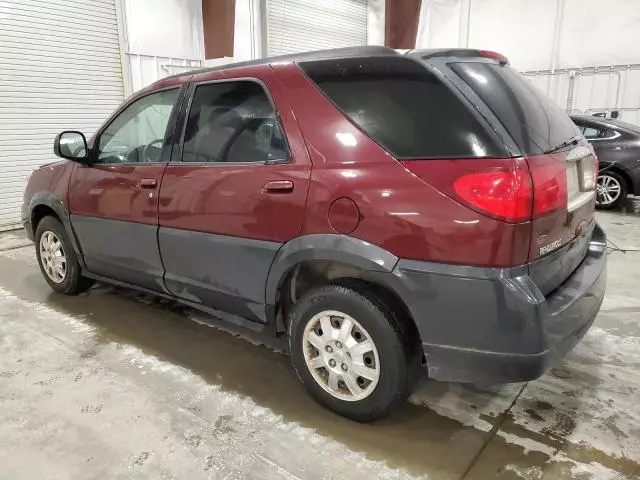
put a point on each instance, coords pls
(592, 132)
(232, 122)
(403, 107)
(536, 124)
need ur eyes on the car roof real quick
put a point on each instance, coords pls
(611, 123)
(335, 54)
(330, 54)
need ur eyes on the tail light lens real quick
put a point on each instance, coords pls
(503, 193)
(499, 188)
(494, 55)
(513, 190)
(549, 175)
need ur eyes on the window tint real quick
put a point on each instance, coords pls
(534, 121)
(403, 107)
(137, 134)
(232, 122)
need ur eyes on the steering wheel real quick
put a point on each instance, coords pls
(147, 156)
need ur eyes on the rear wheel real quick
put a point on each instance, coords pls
(611, 190)
(57, 259)
(349, 353)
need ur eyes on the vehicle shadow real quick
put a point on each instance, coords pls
(631, 206)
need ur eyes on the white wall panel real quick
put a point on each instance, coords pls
(146, 69)
(439, 24)
(375, 22)
(591, 32)
(167, 28)
(247, 32)
(600, 33)
(521, 30)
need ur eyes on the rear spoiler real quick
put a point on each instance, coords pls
(458, 52)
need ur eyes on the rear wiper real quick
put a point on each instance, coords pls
(572, 141)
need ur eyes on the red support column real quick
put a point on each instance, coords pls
(218, 22)
(401, 23)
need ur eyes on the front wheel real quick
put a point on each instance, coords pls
(611, 190)
(57, 259)
(348, 351)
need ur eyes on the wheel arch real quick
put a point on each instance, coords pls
(47, 203)
(351, 261)
(325, 247)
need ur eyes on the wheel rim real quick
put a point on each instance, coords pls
(52, 257)
(341, 355)
(608, 190)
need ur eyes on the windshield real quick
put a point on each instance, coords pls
(536, 124)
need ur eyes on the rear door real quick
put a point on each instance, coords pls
(561, 163)
(234, 192)
(113, 202)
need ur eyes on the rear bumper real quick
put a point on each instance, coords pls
(494, 325)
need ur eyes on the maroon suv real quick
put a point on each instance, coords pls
(383, 211)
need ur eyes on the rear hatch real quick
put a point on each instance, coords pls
(561, 163)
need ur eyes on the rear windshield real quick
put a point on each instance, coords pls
(403, 107)
(536, 124)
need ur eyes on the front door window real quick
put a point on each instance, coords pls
(137, 134)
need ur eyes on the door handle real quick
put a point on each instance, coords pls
(279, 186)
(147, 183)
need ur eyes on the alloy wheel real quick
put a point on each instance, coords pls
(341, 355)
(608, 190)
(52, 257)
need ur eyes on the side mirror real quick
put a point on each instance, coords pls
(72, 146)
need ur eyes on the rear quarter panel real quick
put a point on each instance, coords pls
(398, 211)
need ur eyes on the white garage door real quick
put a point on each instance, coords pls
(60, 70)
(304, 25)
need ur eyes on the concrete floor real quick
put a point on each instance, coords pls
(112, 384)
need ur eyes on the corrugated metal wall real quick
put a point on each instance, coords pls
(61, 69)
(303, 25)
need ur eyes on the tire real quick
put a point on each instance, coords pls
(396, 359)
(70, 282)
(610, 184)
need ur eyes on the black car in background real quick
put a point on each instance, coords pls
(617, 145)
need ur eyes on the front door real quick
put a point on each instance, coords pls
(233, 194)
(113, 201)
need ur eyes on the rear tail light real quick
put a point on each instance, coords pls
(513, 190)
(549, 175)
(499, 188)
(494, 55)
(502, 193)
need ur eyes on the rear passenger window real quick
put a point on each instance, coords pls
(403, 107)
(232, 122)
(592, 132)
